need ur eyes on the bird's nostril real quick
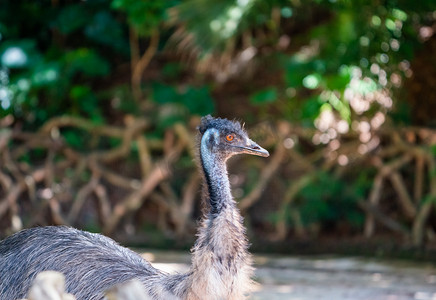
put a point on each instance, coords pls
(256, 147)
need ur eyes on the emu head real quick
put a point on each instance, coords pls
(225, 138)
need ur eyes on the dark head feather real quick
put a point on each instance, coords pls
(220, 124)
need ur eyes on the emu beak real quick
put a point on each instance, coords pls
(254, 149)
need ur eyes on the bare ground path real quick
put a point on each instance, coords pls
(327, 277)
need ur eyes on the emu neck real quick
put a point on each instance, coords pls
(218, 186)
(221, 266)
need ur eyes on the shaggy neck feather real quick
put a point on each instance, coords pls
(221, 266)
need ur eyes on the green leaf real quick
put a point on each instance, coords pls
(144, 16)
(72, 18)
(311, 108)
(196, 100)
(162, 93)
(74, 138)
(339, 81)
(86, 62)
(80, 91)
(296, 70)
(86, 103)
(104, 29)
(433, 149)
(45, 74)
(264, 96)
(172, 70)
(18, 54)
(312, 81)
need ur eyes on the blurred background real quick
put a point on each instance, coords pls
(100, 100)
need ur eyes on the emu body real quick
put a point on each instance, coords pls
(92, 263)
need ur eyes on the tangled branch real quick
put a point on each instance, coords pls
(44, 180)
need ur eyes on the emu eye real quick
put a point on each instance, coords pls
(230, 137)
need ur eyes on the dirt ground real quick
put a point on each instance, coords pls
(327, 277)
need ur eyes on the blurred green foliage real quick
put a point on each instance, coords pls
(364, 49)
(178, 103)
(47, 71)
(144, 16)
(264, 96)
(213, 25)
(329, 200)
(56, 56)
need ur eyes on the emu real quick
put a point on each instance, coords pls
(92, 263)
